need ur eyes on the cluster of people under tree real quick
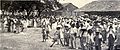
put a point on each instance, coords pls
(92, 31)
(12, 24)
(16, 21)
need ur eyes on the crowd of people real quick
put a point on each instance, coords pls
(92, 31)
(12, 24)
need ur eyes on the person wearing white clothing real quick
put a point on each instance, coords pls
(73, 34)
(57, 36)
(90, 40)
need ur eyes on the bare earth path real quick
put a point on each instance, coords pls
(30, 39)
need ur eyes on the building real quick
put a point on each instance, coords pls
(111, 8)
(67, 10)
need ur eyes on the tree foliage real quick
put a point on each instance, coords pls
(30, 6)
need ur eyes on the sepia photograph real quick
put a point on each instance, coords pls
(59, 24)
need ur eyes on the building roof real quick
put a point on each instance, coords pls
(65, 5)
(101, 6)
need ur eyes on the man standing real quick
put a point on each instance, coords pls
(57, 37)
(98, 40)
(83, 39)
(90, 40)
(111, 38)
(66, 35)
(43, 34)
(73, 35)
(9, 24)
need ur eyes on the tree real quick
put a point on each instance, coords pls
(30, 6)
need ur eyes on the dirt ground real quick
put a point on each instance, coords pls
(30, 39)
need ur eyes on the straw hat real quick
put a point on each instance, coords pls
(59, 26)
(67, 25)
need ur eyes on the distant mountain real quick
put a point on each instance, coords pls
(101, 6)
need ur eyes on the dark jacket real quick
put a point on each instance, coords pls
(111, 40)
(97, 40)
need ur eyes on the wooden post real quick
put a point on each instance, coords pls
(2, 24)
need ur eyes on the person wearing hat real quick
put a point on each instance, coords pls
(103, 32)
(83, 38)
(66, 35)
(90, 40)
(73, 34)
(98, 40)
(57, 36)
(111, 38)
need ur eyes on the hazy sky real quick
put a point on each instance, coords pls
(80, 3)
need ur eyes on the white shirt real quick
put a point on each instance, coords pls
(73, 30)
(91, 37)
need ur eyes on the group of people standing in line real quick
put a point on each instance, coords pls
(92, 33)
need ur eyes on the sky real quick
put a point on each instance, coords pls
(81, 3)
